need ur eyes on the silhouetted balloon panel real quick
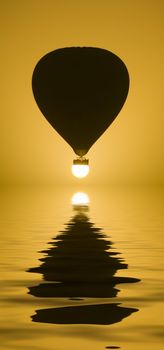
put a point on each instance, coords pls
(80, 91)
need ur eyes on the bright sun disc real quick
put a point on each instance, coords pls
(80, 198)
(80, 170)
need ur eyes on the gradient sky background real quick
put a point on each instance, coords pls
(131, 150)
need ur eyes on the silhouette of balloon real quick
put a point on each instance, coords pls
(80, 91)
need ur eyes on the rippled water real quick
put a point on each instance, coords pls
(82, 278)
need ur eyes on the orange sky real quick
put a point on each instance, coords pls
(131, 150)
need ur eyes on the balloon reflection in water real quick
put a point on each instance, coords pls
(80, 91)
(81, 264)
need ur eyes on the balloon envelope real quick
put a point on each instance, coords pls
(80, 91)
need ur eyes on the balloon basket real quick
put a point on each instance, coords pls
(81, 161)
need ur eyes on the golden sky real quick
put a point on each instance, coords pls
(131, 150)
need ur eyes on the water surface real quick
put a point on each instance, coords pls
(77, 277)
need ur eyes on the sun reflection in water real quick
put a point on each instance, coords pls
(80, 199)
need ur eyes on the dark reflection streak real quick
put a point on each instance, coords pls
(112, 347)
(101, 314)
(80, 263)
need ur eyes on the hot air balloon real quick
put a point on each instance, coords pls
(80, 91)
